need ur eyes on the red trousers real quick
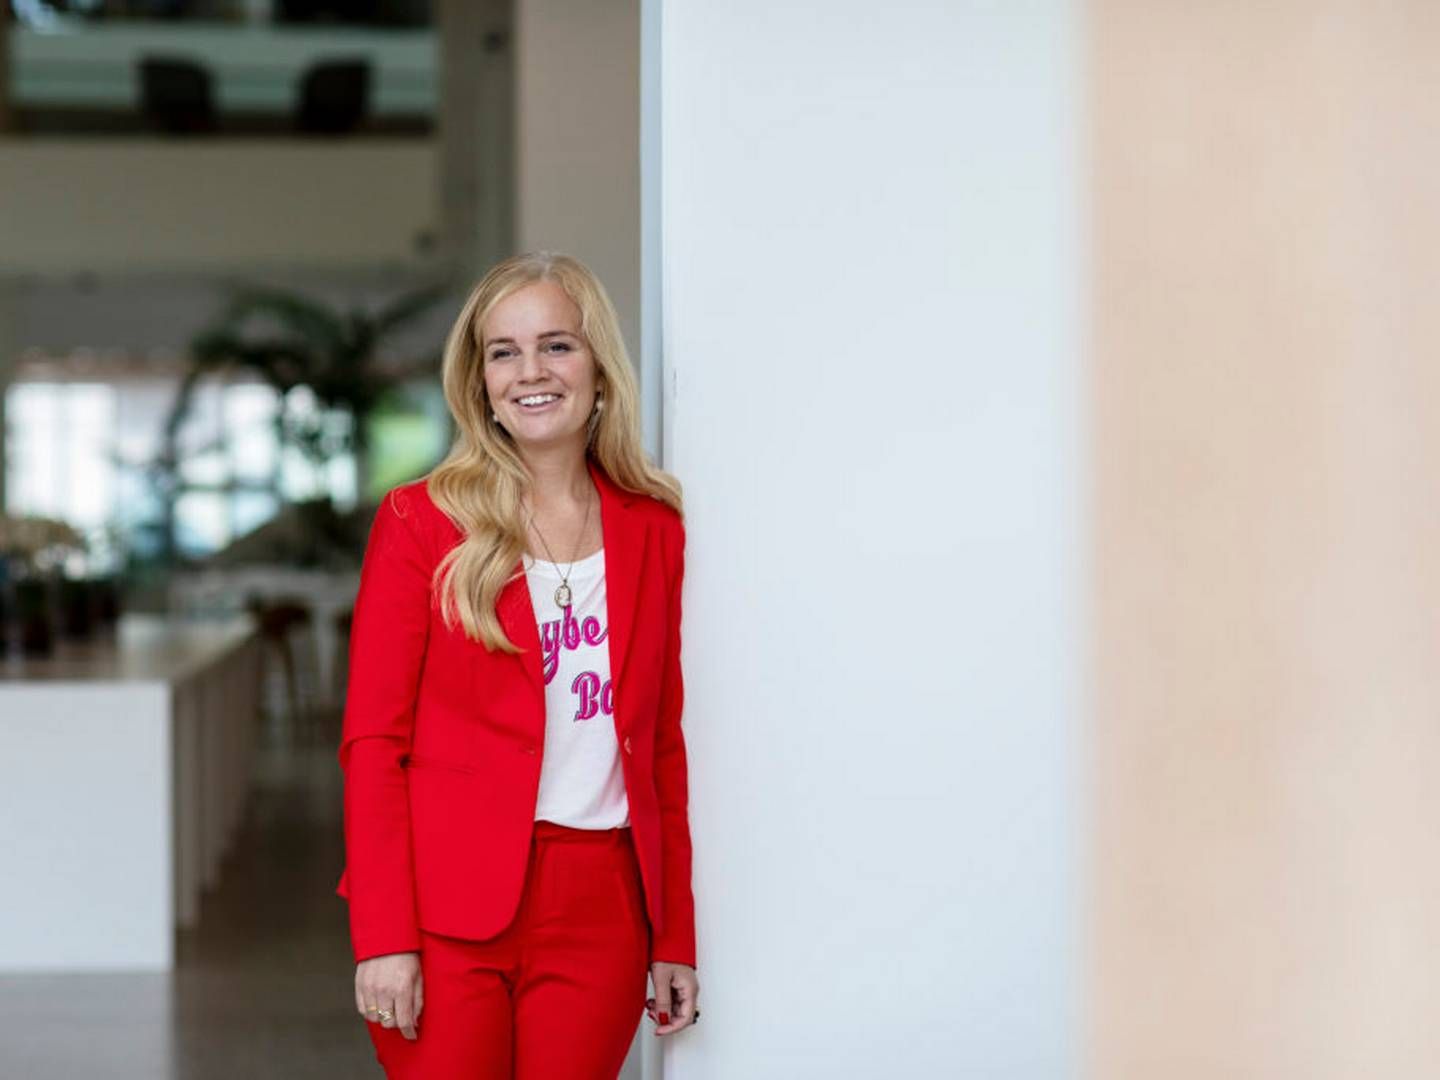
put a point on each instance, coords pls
(558, 994)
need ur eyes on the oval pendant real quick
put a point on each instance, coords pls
(562, 595)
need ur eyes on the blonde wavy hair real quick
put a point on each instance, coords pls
(480, 482)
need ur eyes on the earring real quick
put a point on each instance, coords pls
(494, 417)
(599, 402)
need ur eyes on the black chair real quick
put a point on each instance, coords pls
(334, 97)
(176, 96)
(280, 620)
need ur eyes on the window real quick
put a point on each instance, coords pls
(80, 451)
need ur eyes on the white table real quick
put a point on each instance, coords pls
(124, 765)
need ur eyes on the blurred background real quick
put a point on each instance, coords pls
(1054, 386)
(233, 235)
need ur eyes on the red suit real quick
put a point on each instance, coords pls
(443, 739)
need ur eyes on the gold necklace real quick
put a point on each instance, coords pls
(562, 592)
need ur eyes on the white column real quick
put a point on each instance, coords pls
(873, 398)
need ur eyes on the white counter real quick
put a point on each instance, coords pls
(123, 770)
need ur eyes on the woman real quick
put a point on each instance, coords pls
(517, 843)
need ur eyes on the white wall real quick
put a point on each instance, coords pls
(873, 399)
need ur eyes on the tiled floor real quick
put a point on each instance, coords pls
(263, 986)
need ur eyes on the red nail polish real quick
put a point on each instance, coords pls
(664, 1018)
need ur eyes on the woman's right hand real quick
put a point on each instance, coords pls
(390, 986)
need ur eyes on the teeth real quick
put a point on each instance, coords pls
(538, 399)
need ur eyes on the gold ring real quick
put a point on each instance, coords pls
(372, 1008)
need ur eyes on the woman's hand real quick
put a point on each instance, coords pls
(388, 991)
(677, 993)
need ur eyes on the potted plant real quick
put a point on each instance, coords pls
(291, 340)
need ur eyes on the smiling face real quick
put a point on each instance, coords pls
(540, 375)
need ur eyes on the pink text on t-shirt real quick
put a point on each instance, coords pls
(567, 633)
(593, 696)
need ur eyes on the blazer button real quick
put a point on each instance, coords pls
(627, 744)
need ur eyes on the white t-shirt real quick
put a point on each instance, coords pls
(582, 781)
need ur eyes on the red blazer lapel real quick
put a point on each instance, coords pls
(517, 617)
(626, 530)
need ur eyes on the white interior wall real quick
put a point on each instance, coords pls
(873, 397)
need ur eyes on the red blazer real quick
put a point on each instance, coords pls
(442, 738)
